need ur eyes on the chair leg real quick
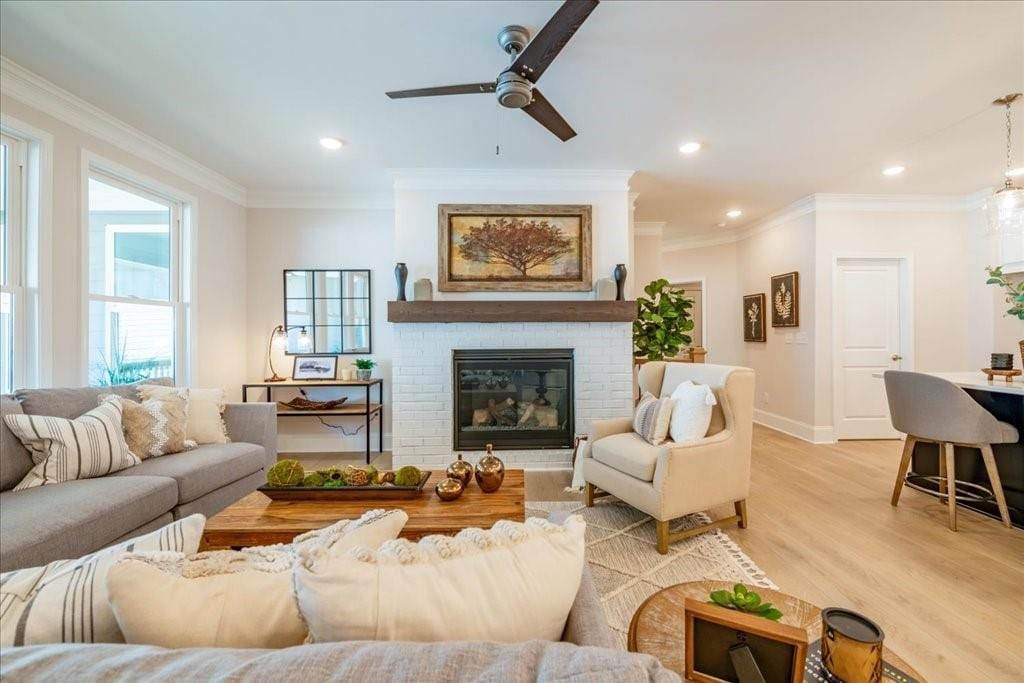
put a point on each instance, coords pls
(951, 483)
(661, 527)
(588, 495)
(901, 474)
(997, 485)
(741, 512)
(943, 479)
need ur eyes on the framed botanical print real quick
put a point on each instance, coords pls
(753, 317)
(514, 248)
(785, 300)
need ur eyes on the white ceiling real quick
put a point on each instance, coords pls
(789, 98)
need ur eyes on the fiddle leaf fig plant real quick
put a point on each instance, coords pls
(742, 599)
(1014, 291)
(662, 322)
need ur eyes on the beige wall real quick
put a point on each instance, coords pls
(220, 301)
(647, 265)
(282, 239)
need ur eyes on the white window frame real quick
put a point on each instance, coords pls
(14, 269)
(33, 352)
(183, 209)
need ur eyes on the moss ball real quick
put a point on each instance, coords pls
(285, 473)
(313, 480)
(407, 476)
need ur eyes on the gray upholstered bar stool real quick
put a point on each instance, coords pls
(929, 409)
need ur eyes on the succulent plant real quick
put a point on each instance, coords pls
(313, 480)
(285, 473)
(743, 599)
(407, 476)
(357, 477)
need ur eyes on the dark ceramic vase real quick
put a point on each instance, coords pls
(401, 273)
(620, 280)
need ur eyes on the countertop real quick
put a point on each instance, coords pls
(979, 381)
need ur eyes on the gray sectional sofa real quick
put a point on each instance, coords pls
(73, 518)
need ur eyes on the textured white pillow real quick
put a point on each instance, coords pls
(229, 598)
(66, 601)
(205, 406)
(91, 445)
(691, 415)
(513, 583)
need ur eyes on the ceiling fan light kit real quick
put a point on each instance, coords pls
(515, 87)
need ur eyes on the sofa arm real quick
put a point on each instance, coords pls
(254, 423)
(602, 428)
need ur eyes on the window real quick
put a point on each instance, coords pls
(137, 313)
(12, 265)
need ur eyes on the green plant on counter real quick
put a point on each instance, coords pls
(662, 321)
(1014, 291)
(742, 599)
(365, 363)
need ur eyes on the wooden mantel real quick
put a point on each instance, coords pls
(503, 311)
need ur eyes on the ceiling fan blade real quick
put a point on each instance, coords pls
(466, 89)
(544, 114)
(546, 45)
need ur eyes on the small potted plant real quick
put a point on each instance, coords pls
(364, 368)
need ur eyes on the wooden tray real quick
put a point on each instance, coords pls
(341, 492)
(1008, 375)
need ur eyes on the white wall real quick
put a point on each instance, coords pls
(280, 239)
(220, 299)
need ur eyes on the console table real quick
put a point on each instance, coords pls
(366, 410)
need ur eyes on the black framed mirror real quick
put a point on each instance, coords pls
(327, 311)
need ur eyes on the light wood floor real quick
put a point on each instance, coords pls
(822, 528)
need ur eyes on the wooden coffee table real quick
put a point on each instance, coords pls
(658, 627)
(257, 520)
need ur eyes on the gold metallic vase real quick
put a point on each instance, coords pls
(449, 489)
(490, 471)
(851, 646)
(461, 470)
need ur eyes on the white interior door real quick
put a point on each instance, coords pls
(867, 328)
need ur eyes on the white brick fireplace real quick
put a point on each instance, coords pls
(422, 382)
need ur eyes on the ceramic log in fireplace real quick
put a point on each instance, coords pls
(512, 398)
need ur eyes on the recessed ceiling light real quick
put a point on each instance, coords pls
(719, 225)
(894, 171)
(689, 147)
(331, 143)
(734, 213)
(1015, 172)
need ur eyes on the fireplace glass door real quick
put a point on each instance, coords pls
(513, 398)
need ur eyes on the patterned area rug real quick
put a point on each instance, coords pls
(625, 563)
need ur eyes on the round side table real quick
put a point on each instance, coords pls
(658, 627)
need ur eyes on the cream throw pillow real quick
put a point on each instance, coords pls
(652, 418)
(155, 427)
(91, 445)
(513, 583)
(229, 598)
(66, 601)
(205, 406)
(691, 415)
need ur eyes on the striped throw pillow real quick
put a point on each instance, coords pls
(91, 445)
(66, 601)
(653, 417)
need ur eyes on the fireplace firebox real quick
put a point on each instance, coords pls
(512, 398)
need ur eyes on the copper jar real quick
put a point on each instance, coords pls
(851, 646)
(461, 470)
(449, 489)
(490, 471)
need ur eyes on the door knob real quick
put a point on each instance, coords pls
(897, 356)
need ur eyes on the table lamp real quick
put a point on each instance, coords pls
(279, 340)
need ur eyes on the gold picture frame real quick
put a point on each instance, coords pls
(514, 248)
(785, 300)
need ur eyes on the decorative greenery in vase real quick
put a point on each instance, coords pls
(1014, 291)
(742, 599)
(364, 368)
(662, 322)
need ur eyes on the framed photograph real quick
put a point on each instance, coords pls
(315, 367)
(514, 248)
(785, 300)
(726, 645)
(753, 317)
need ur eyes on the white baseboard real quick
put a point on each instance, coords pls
(801, 430)
(329, 443)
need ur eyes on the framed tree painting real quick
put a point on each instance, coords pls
(514, 248)
(753, 318)
(785, 300)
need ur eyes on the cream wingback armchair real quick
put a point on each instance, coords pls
(673, 480)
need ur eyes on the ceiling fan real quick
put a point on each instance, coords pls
(515, 86)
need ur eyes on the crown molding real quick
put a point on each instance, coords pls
(271, 199)
(649, 228)
(799, 208)
(514, 179)
(35, 91)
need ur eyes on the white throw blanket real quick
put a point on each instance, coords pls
(582, 451)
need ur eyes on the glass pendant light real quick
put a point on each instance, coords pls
(1006, 206)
